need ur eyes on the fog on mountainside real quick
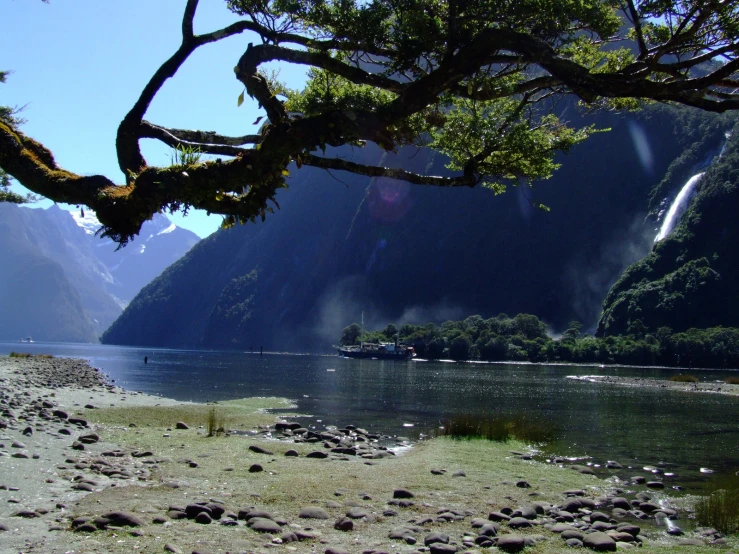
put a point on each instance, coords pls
(343, 244)
(60, 282)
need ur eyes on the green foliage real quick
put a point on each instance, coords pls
(683, 378)
(523, 338)
(10, 116)
(350, 335)
(498, 428)
(720, 509)
(215, 422)
(27, 355)
(184, 156)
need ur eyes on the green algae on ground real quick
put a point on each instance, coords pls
(491, 472)
(242, 413)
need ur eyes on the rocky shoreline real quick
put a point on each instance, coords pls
(714, 387)
(69, 484)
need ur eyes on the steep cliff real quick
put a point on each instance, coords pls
(343, 244)
(689, 277)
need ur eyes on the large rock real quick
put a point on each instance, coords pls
(264, 525)
(313, 512)
(511, 543)
(123, 519)
(600, 542)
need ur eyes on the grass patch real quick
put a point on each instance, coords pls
(27, 355)
(732, 380)
(216, 422)
(498, 428)
(240, 414)
(684, 378)
(720, 509)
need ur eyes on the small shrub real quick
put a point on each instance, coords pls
(684, 378)
(732, 380)
(720, 509)
(215, 422)
(498, 428)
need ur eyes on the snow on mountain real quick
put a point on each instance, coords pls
(104, 278)
(87, 221)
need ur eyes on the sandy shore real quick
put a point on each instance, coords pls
(89, 467)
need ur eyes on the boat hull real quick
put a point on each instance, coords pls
(376, 355)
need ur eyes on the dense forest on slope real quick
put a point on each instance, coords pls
(342, 244)
(689, 278)
(524, 338)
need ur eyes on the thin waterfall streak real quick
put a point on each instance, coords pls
(678, 207)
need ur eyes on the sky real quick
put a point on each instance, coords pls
(79, 66)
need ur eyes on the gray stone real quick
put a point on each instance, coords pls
(574, 543)
(181, 425)
(489, 530)
(441, 548)
(600, 542)
(402, 493)
(203, 518)
(511, 543)
(344, 524)
(264, 525)
(313, 512)
(356, 513)
(317, 454)
(123, 519)
(527, 512)
(436, 536)
(572, 534)
(519, 523)
(255, 468)
(259, 450)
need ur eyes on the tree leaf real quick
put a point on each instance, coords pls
(240, 100)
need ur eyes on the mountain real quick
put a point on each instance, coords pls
(60, 282)
(688, 279)
(342, 244)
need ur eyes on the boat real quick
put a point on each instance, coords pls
(26, 339)
(379, 351)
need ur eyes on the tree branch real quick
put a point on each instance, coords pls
(466, 180)
(205, 142)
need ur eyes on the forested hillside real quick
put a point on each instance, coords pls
(343, 244)
(689, 278)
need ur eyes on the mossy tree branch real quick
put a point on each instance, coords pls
(472, 80)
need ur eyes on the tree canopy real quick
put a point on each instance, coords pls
(477, 81)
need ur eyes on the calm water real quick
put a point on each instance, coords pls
(636, 427)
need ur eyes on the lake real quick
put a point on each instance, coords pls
(596, 422)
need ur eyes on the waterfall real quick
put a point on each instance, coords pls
(678, 207)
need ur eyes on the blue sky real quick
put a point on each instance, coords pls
(79, 66)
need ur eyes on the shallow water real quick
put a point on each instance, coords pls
(598, 422)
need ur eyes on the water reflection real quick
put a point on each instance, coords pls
(636, 427)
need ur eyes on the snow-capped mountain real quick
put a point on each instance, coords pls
(95, 280)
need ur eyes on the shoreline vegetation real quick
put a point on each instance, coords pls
(86, 466)
(525, 338)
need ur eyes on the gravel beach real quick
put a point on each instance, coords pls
(89, 467)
